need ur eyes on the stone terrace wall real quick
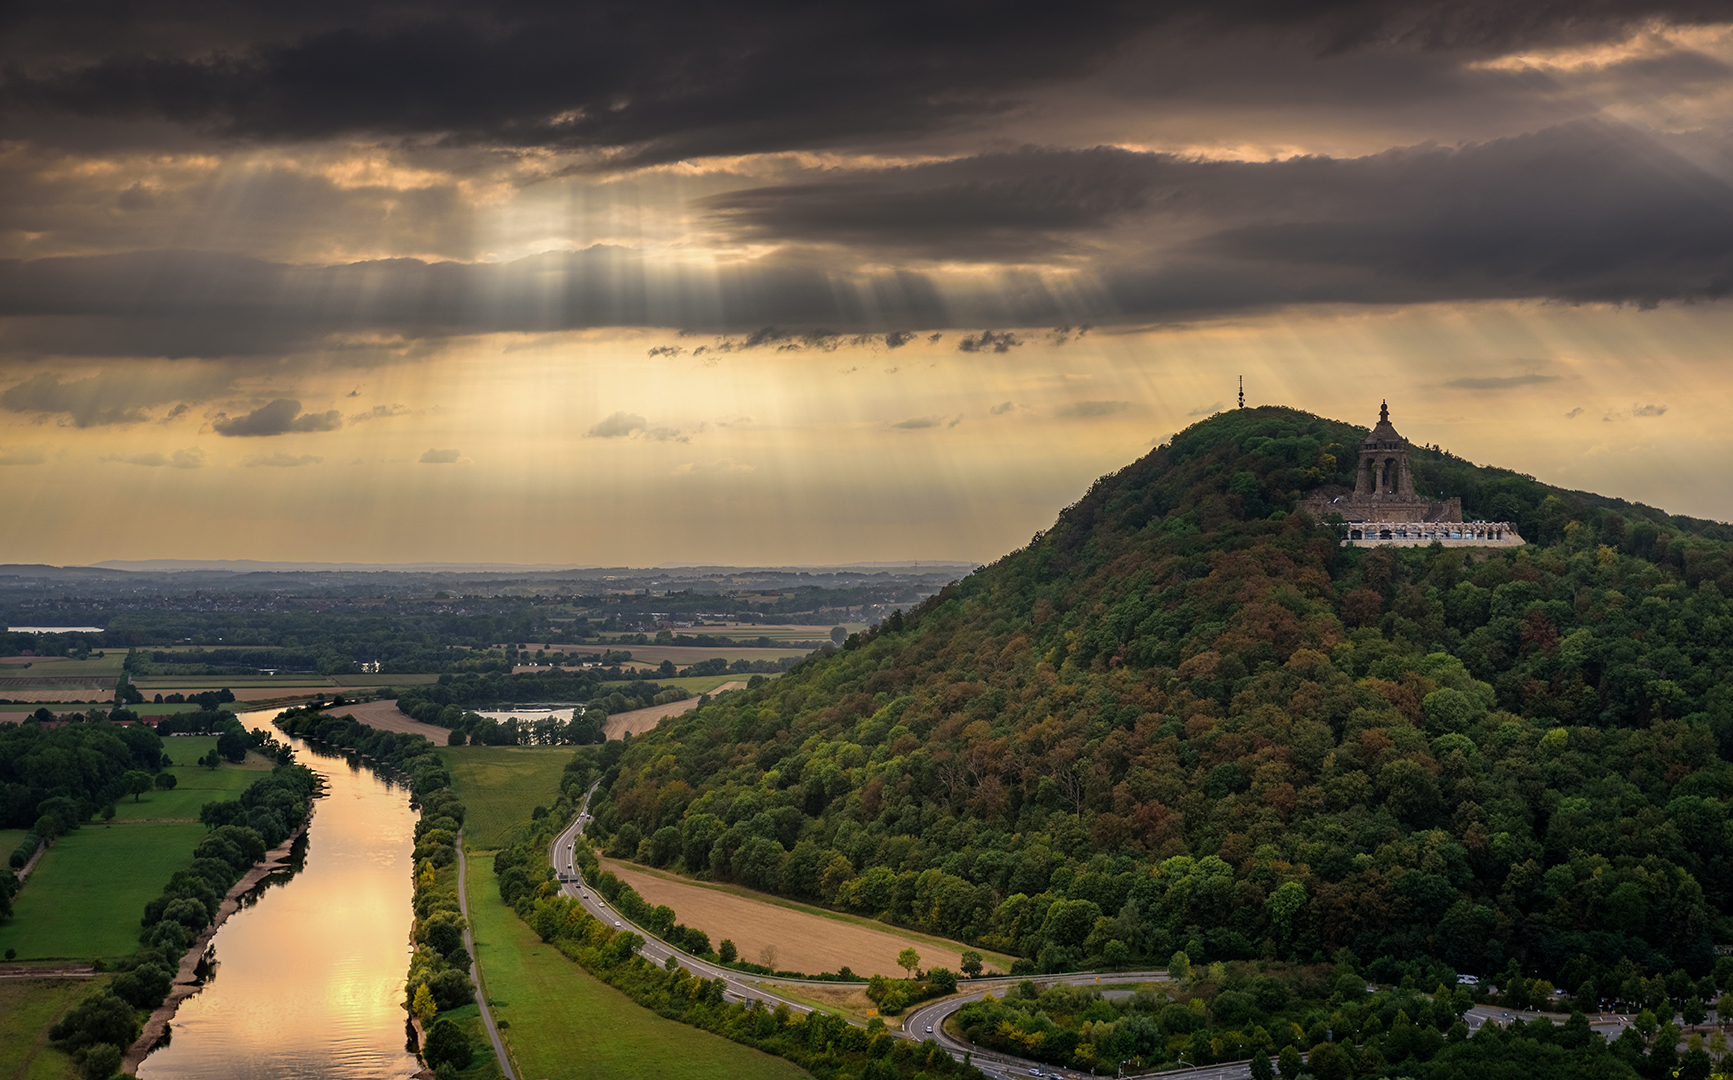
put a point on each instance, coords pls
(1499, 534)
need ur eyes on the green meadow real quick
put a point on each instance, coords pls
(28, 1008)
(501, 785)
(86, 896)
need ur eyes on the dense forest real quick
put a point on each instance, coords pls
(1187, 718)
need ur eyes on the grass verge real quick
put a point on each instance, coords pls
(484, 1065)
(501, 785)
(567, 1025)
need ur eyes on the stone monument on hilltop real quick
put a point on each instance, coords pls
(1384, 508)
(1384, 485)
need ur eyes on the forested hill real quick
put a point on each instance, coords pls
(1184, 718)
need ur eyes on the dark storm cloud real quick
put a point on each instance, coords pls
(1586, 212)
(280, 417)
(678, 79)
(1581, 212)
(113, 397)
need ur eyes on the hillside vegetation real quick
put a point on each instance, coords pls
(1184, 718)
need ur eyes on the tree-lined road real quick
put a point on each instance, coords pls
(933, 1014)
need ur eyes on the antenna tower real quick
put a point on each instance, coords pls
(1242, 391)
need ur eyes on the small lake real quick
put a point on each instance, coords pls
(528, 714)
(309, 976)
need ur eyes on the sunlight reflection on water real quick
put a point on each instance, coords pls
(309, 979)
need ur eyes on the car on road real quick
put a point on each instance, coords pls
(929, 1029)
(617, 922)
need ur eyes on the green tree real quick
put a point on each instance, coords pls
(423, 1006)
(1115, 953)
(101, 1061)
(136, 782)
(1260, 1064)
(838, 634)
(1328, 1061)
(1179, 968)
(447, 1044)
(1693, 1011)
(971, 963)
(909, 960)
(727, 951)
(1290, 1062)
(166, 781)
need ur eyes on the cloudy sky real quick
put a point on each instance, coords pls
(622, 283)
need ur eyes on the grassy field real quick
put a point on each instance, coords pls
(155, 683)
(87, 894)
(108, 665)
(10, 839)
(566, 1025)
(28, 1008)
(500, 785)
(164, 683)
(697, 684)
(195, 785)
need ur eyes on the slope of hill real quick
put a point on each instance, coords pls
(1184, 718)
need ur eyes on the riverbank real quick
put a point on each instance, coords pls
(186, 980)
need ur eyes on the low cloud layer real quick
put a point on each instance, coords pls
(280, 460)
(189, 458)
(281, 417)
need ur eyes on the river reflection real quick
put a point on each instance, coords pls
(309, 978)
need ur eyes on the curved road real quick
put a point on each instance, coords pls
(916, 1022)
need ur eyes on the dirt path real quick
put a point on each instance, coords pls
(808, 943)
(638, 721)
(384, 716)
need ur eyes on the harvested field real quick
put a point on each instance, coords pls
(384, 716)
(803, 941)
(638, 721)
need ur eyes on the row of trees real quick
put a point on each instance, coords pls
(105, 1022)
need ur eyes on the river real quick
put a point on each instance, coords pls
(309, 978)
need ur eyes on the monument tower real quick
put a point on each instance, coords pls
(1384, 471)
(1384, 484)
